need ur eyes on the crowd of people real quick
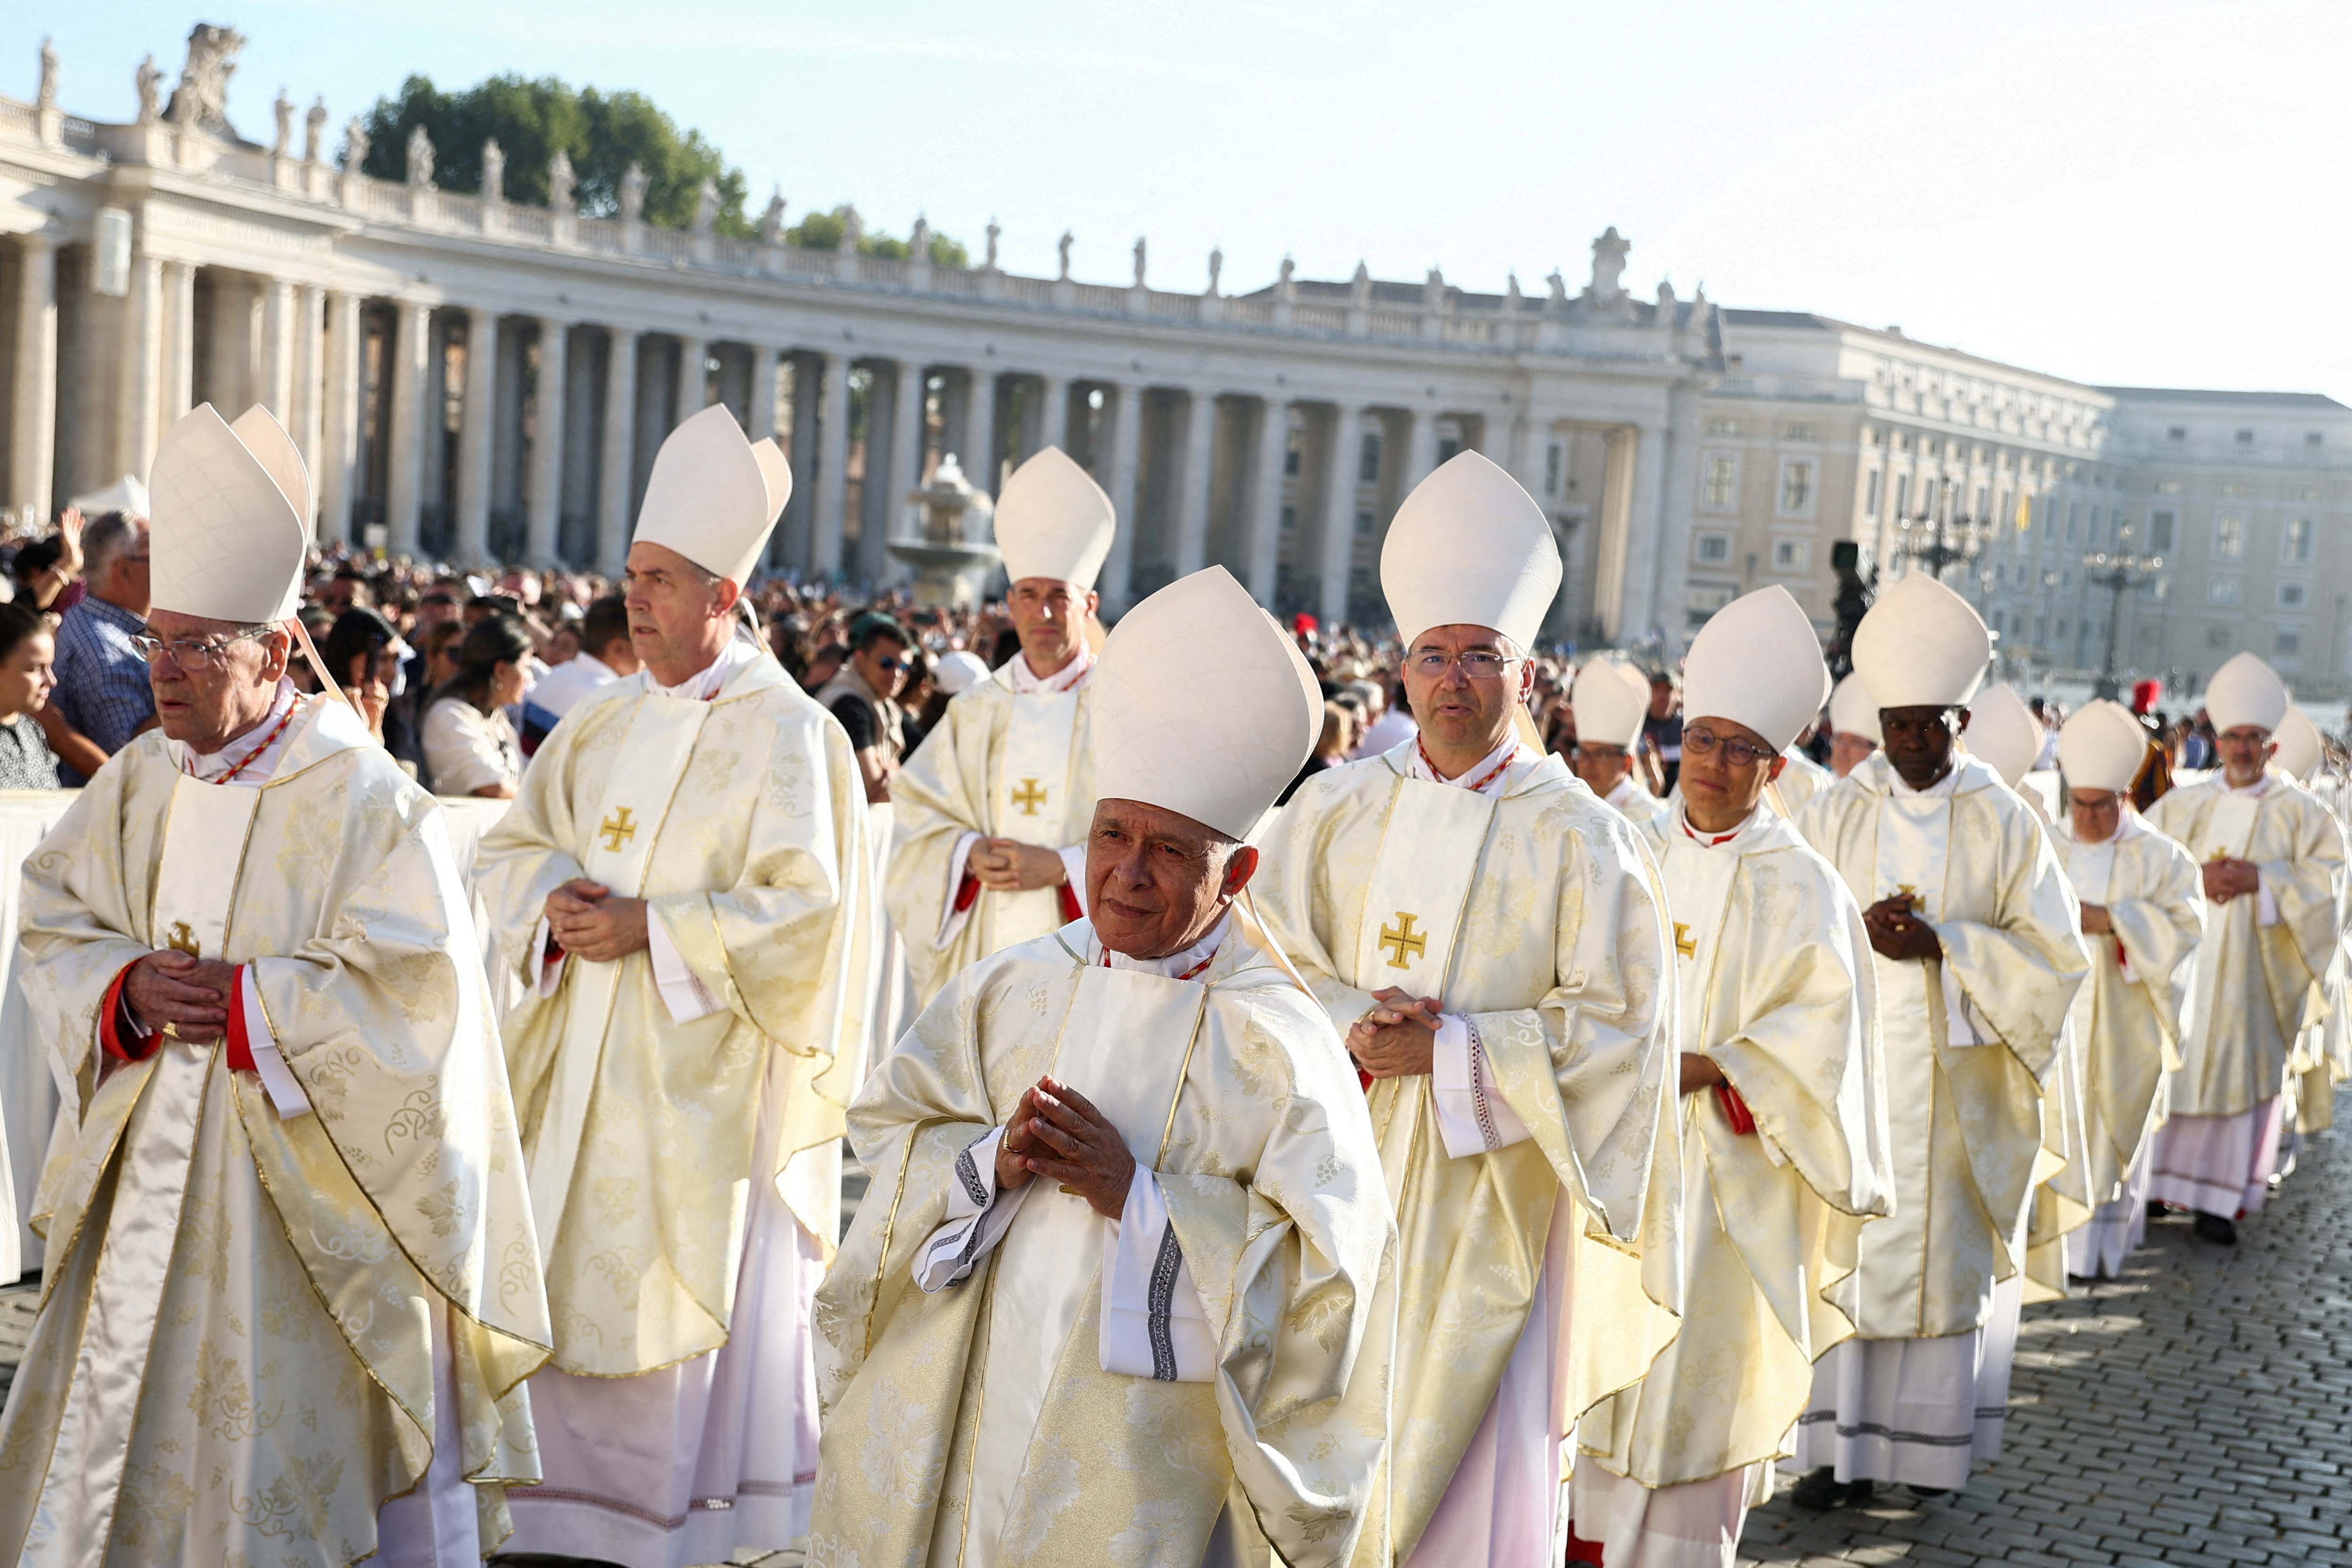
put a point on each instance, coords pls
(1327, 1098)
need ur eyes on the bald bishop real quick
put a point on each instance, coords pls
(1112, 1298)
(291, 1288)
(1493, 940)
(994, 808)
(681, 891)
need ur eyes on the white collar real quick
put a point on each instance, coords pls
(1176, 965)
(1942, 789)
(1622, 791)
(2128, 827)
(253, 756)
(1487, 774)
(1026, 680)
(705, 683)
(2253, 791)
(1703, 840)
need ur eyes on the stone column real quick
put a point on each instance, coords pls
(759, 413)
(1193, 497)
(180, 362)
(906, 467)
(616, 480)
(693, 386)
(1262, 534)
(339, 471)
(544, 485)
(1419, 451)
(829, 520)
(1336, 554)
(1053, 412)
(33, 427)
(278, 348)
(1116, 584)
(405, 477)
(476, 438)
(310, 383)
(980, 465)
(142, 367)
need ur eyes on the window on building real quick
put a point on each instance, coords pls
(1714, 548)
(1723, 427)
(2292, 595)
(1368, 467)
(1870, 507)
(2306, 493)
(2216, 637)
(1448, 448)
(1796, 487)
(1293, 451)
(1800, 433)
(2289, 644)
(1706, 598)
(2167, 487)
(2160, 532)
(1722, 479)
(1552, 456)
(2062, 629)
(2246, 438)
(2312, 439)
(1793, 556)
(2073, 518)
(1984, 497)
(2177, 433)
(1365, 523)
(1902, 494)
(2224, 590)
(2229, 537)
(2234, 490)
(2294, 544)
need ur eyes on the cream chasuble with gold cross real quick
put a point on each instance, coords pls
(326, 1268)
(1539, 1166)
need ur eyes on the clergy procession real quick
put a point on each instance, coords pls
(1497, 1153)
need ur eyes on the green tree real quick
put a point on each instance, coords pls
(823, 231)
(603, 132)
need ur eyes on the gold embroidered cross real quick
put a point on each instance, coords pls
(618, 829)
(1029, 797)
(184, 940)
(1910, 896)
(1684, 943)
(1400, 939)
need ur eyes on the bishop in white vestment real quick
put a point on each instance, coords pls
(2271, 862)
(1973, 932)
(2143, 916)
(1493, 941)
(1609, 699)
(1854, 725)
(1113, 1296)
(291, 1291)
(1783, 1109)
(993, 808)
(682, 889)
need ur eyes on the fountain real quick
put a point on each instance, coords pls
(955, 556)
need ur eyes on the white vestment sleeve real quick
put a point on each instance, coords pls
(2266, 911)
(547, 968)
(1963, 1024)
(686, 996)
(285, 1089)
(1473, 1118)
(1074, 866)
(951, 919)
(1152, 1324)
(977, 1215)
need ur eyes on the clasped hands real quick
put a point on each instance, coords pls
(182, 995)
(2228, 879)
(1056, 1131)
(1397, 1035)
(588, 922)
(1897, 932)
(1009, 865)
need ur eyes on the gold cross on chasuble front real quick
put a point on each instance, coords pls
(1684, 943)
(1400, 939)
(618, 829)
(184, 940)
(1029, 797)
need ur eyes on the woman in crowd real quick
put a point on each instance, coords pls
(1337, 740)
(470, 747)
(363, 654)
(27, 649)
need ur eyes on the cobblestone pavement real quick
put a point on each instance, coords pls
(2196, 1412)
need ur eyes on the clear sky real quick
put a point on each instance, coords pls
(2138, 192)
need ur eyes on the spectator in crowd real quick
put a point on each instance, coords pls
(363, 654)
(605, 656)
(48, 571)
(27, 650)
(1662, 729)
(1331, 748)
(916, 698)
(863, 694)
(103, 697)
(348, 589)
(470, 747)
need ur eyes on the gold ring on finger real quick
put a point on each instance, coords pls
(170, 1031)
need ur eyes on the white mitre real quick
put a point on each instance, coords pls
(2246, 691)
(2300, 751)
(1052, 520)
(2101, 746)
(1610, 700)
(1854, 711)
(1921, 645)
(1470, 548)
(1202, 706)
(1756, 663)
(230, 521)
(714, 496)
(2003, 733)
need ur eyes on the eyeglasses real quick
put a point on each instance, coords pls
(193, 657)
(1477, 665)
(1738, 754)
(891, 663)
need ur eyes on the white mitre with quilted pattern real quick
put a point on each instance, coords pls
(231, 519)
(1470, 547)
(714, 496)
(2003, 733)
(1202, 706)
(1052, 520)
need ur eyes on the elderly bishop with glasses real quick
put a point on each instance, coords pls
(293, 1286)
(1491, 939)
